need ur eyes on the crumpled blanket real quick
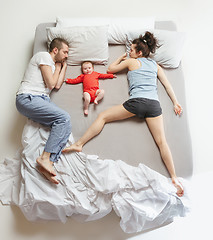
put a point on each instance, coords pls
(89, 187)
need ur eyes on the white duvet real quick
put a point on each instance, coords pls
(89, 188)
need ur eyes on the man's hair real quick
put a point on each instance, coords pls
(57, 43)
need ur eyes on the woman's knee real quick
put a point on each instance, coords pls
(103, 117)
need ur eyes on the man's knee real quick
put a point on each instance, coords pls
(67, 120)
(67, 116)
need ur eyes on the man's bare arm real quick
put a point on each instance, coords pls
(61, 76)
(50, 78)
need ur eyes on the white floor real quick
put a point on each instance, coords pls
(197, 224)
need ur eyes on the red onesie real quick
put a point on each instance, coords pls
(90, 82)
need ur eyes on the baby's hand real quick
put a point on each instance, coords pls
(114, 76)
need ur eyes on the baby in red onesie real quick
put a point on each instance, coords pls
(89, 78)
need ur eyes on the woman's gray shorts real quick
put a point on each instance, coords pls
(143, 107)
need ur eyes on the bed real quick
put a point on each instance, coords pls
(116, 167)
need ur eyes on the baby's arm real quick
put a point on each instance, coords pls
(79, 79)
(106, 75)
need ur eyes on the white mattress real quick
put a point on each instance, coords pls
(131, 179)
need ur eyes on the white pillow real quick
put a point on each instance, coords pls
(73, 22)
(170, 52)
(85, 43)
(118, 27)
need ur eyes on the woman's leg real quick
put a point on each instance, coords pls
(112, 114)
(156, 128)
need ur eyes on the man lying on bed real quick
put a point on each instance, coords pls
(46, 71)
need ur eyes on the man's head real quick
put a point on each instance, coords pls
(59, 48)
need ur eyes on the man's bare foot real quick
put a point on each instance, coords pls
(46, 164)
(73, 148)
(179, 186)
(48, 176)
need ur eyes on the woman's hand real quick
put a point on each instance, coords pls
(178, 109)
(123, 56)
(118, 65)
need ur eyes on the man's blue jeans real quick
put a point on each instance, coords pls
(40, 109)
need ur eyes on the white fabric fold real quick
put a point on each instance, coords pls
(89, 188)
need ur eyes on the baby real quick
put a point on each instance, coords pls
(92, 93)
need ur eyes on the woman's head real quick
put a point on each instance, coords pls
(143, 46)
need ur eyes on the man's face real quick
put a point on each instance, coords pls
(62, 54)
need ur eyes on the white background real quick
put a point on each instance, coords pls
(18, 20)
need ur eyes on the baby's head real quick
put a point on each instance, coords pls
(87, 67)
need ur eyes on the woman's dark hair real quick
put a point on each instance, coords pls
(146, 44)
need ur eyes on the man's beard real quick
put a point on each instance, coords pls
(58, 59)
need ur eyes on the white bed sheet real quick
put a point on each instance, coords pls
(89, 188)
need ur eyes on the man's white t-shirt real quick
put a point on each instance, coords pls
(33, 82)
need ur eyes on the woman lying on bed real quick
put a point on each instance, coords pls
(143, 102)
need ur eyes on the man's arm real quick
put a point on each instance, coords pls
(61, 76)
(50, 78)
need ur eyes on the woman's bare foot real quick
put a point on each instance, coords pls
(179, 186)
(45, 163)
(73, 148)
(48, 176)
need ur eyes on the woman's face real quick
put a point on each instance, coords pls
(133, 53)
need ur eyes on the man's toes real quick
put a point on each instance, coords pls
(48, 176)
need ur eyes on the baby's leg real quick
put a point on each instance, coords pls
(87, 99)
(99, 94)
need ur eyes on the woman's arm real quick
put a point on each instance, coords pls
(120, 64)
(162, 77)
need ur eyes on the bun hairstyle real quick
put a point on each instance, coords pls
(146, 44)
